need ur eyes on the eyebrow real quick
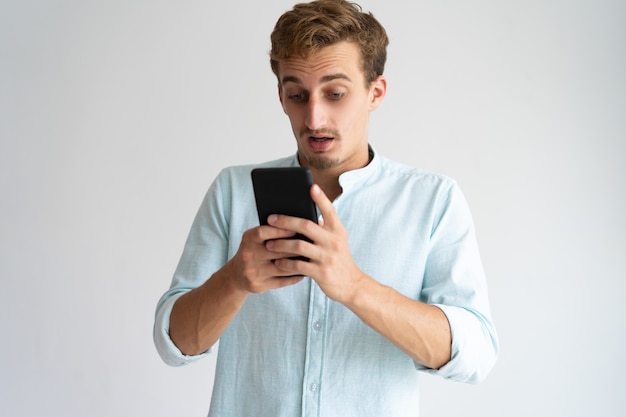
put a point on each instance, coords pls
(325, 79)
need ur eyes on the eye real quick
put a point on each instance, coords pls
(336, 96)
(298, 97)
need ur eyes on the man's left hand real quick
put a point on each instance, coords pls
(330, 259)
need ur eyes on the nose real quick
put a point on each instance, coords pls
(316, 115)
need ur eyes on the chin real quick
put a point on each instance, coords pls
(322, 163)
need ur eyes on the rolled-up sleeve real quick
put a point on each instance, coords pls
(455, 282)
(205, 251)
(168, 351)
(474, 346)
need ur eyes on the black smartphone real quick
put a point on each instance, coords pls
(284, 191)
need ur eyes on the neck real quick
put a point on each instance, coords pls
(328, 184)
(328, 179)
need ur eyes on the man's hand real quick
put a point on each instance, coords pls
(421, 330)
(253, 268)
(201, 316)
(330, 260)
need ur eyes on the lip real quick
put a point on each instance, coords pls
(320, 143)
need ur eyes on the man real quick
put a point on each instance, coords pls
(394, 282)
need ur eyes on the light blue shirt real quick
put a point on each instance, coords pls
(293, 351)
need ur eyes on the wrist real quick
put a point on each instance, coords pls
(225, 281)
(359, 291)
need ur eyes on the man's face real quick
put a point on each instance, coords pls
(328, 104)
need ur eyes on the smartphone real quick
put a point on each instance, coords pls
(284, 191)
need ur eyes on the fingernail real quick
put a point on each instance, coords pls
(272, 218)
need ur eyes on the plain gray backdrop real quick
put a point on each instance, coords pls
(115, 116)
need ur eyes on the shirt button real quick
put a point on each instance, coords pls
(313, 387)
(317, 325)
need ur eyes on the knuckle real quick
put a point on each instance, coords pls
(255, 288)
(298, 244)
(252, 235)
(309, 226)
(249, 272)
(249, 276)
(247, 256)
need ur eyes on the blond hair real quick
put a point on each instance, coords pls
(309, 27)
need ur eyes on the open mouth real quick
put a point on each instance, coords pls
(319, 140)
(320, 143)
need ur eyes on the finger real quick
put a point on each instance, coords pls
(264, 233)
(276, 272)
(298, 225)
(329, 215)
(289, 248)
(291, 266)
(253, 249)
(278, 279)
(287, 280)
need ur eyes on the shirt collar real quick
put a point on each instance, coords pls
(356, 177)
(350, 179)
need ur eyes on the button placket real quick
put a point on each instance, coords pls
(315, 352)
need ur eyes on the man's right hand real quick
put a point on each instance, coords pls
(200, 316)
(252, 268)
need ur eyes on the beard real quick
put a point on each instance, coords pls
(322, 163)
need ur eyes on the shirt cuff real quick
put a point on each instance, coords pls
(166, 348)
(474, 347)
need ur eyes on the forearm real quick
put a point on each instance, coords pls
(199, 317)
(420, 330)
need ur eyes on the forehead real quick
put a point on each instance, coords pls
(341, 58)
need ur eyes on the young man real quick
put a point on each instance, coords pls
(394, 282)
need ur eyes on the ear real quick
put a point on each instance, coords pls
(378, 89)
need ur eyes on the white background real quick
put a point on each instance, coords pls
(116, 115)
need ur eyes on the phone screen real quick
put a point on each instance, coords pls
(284, 191)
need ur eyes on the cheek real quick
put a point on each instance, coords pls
(292, 114)
(295, 120)
(355, 117)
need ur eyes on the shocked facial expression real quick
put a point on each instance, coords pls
(328, 104)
